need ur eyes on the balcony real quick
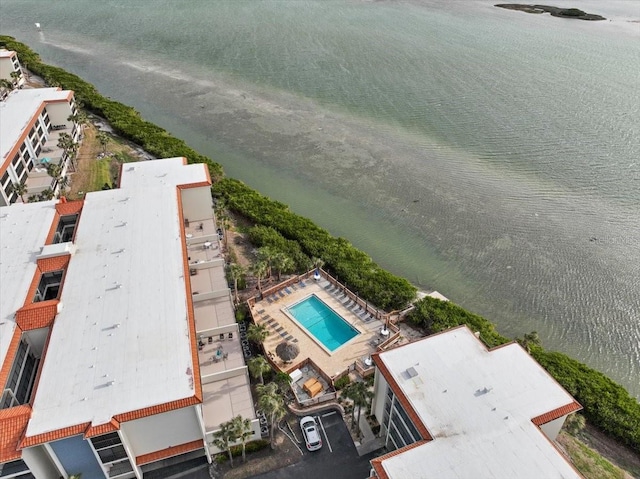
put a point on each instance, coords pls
(225, 380)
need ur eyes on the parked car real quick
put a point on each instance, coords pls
(311, 434)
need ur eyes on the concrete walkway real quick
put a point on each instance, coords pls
(369, 442)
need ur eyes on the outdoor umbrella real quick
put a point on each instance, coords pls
(287, 351)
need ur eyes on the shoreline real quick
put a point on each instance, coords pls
(92, 96)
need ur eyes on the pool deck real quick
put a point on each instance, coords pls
(269, 311)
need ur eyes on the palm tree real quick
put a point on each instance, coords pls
(257, 333)
(70, 147)
(258, 366)
(224, 438)
(55, 172)
(283, 380)
(273, 406)
(222, 219)
(80, 118)
(46, 195)
(6, 84)
(103, 139)
(15, 77)
(359, 393)
(237, 272)
(63, 183)
(267, 254)
(529, 340)
(19, 189)
(282, 263)
(259, 269)
(243, 432)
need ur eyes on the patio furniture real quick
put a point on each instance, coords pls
(309, 382)
(313, 388)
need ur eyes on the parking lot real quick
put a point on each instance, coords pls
(338, 458)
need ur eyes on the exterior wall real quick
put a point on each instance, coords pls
(551, 429)
(40, 463)
(59, 111)
(197, 203)
(8, 65)
(161, 431)
(76, 456)
(380, 390)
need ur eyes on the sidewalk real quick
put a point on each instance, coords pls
(369, 442)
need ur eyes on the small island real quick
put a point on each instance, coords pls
(554, 11)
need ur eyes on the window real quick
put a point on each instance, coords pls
(16, 160)
(20, 382)
(106, 440)
(113, 455)
(19, 169)
(15, 470)
(38, 149)
(66, 229)
(5, 178)
(49, 286)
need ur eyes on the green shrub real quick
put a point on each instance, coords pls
(352, 266)
(434, 315)
(236, 451)
(342, 382)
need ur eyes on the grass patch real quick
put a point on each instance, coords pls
(99, 174)
(590, 464)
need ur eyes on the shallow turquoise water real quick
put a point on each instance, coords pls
(488, 154)
(323, 322)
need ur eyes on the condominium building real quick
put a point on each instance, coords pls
(449, 407)
(31, 122)
(9, 64)
(119, 348)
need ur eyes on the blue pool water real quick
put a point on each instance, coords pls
(322, 322)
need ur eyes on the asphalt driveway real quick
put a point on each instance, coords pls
(338, 458)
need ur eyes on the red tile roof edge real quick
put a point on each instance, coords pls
(169, 452)
(556, 413)
(69, 207)
(191, 318)
(13, 423)
(54, 435)
(158, 409)
(110, 426)
(37, 315)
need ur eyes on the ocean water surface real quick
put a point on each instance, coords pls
(489, 154)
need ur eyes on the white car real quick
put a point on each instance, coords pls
(311, 434)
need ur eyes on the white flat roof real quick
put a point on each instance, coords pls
(23, 231)
(6, 53)
(121, 342)
(17, 111)
(164, 172)
(478, 405)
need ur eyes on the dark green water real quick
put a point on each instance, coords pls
(488, 154)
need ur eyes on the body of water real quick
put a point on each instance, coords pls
(490, 154)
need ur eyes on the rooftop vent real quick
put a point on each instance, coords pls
(411, 372)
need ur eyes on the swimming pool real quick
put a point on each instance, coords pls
(322, 322)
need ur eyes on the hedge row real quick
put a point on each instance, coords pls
(352, 266)
(607, 405)
(264, 236)
(125, 121)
